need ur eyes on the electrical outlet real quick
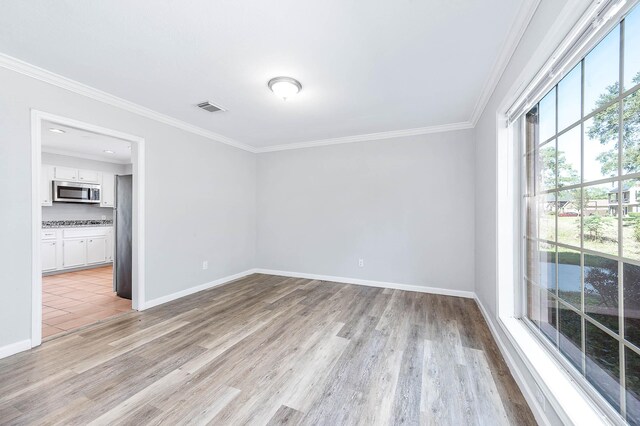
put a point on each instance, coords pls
(361, 263)
(205, 264)
(104, 217)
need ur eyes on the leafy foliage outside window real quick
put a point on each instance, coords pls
(605, 129)
(594, 225)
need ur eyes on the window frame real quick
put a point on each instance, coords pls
(524, 198)
(548, 387)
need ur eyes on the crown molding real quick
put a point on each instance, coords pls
(49, 77)
(506, 52)
(519, 26)
(369, 137)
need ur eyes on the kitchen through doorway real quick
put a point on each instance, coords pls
(87, 203)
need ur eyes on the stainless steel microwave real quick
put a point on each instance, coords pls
(74, 192)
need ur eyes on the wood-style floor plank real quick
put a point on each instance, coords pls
(272, 350)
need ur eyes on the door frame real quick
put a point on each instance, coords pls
(138, 248)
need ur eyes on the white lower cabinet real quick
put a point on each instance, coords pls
(74, 253)
(96, 250)
(49, 255)
(66, 248)
(109, 244)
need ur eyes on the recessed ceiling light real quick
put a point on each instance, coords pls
(108, 151)
(285, 87)
(56, 130)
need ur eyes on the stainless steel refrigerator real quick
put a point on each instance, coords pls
(123, 224)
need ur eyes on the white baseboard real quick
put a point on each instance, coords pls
(538, 411)
(14, 348)
(225, 280)
(369, 283)
(177, 295)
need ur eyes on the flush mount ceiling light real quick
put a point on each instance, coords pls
(108, 151)
(285, 87)
(55, 130)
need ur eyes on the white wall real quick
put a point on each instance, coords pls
(78, 211)
(85, 163)
(405, 206)
(521, 69)
(200, 198)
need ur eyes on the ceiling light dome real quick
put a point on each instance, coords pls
(285, 87)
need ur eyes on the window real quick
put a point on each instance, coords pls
(581, 271)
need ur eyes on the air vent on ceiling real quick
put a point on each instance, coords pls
(208, 106)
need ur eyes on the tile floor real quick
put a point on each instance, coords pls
(74, 299)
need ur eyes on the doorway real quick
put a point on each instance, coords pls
(79, 248)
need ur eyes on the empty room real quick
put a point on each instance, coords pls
(411, 212)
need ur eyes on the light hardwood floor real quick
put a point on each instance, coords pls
(272, 350)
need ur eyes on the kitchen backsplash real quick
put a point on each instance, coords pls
(76, 211)
(49, 224)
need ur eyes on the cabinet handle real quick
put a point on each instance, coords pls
(82, 241)
(90, 241)
(53, 244)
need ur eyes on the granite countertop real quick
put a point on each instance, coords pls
(75, 223)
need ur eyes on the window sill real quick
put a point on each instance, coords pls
(569, 401)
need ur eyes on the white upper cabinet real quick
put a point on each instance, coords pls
(88, 176)
(107, 196)
(77, 175)
(46, 187)
(66, 173)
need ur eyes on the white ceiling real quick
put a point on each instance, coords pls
(84, 144)
(366, 66)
